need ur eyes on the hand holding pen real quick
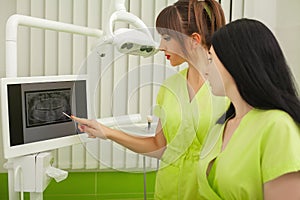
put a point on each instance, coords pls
(91, 127)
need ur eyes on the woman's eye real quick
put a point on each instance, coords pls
(167, 38)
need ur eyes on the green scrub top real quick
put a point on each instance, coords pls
(185, 125)
(265, 146)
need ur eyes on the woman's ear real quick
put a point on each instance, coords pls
(196, 39)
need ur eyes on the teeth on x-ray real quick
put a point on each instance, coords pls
(47, 107)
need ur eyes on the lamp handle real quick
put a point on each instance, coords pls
(130, 18)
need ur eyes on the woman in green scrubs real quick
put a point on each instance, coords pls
(254, 151)
(185, 106)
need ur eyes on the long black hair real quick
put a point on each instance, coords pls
(251, 54)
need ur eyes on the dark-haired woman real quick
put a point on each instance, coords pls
(254, 150)
(184, 102)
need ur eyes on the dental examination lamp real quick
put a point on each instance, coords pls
(137, 41)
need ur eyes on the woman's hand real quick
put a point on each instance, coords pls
(91, 127)
(153, 146)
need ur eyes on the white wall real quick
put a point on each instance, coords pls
(288, 33)
(7, 8)
(283, 18)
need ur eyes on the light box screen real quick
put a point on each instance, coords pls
(46, 107)
(35, 110)
(32, 112)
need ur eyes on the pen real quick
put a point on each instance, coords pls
(67, 115)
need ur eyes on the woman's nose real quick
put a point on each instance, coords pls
(161, 46)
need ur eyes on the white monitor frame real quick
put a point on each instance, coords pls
(11, 151)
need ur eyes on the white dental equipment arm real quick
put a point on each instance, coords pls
(129, 41)
(119, 13)
(12, 31)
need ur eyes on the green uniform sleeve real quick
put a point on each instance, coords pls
(280, 148)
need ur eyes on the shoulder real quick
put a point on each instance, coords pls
(270, 125)
(277, 126)
(176, 78)
(279, 144)
(273, 117)
(173, 83)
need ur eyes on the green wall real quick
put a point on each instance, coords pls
(93, 186)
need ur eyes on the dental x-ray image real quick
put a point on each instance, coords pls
(47, 107)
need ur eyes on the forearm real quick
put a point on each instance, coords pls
(150, 146)
(284, 187)
(143, 145)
